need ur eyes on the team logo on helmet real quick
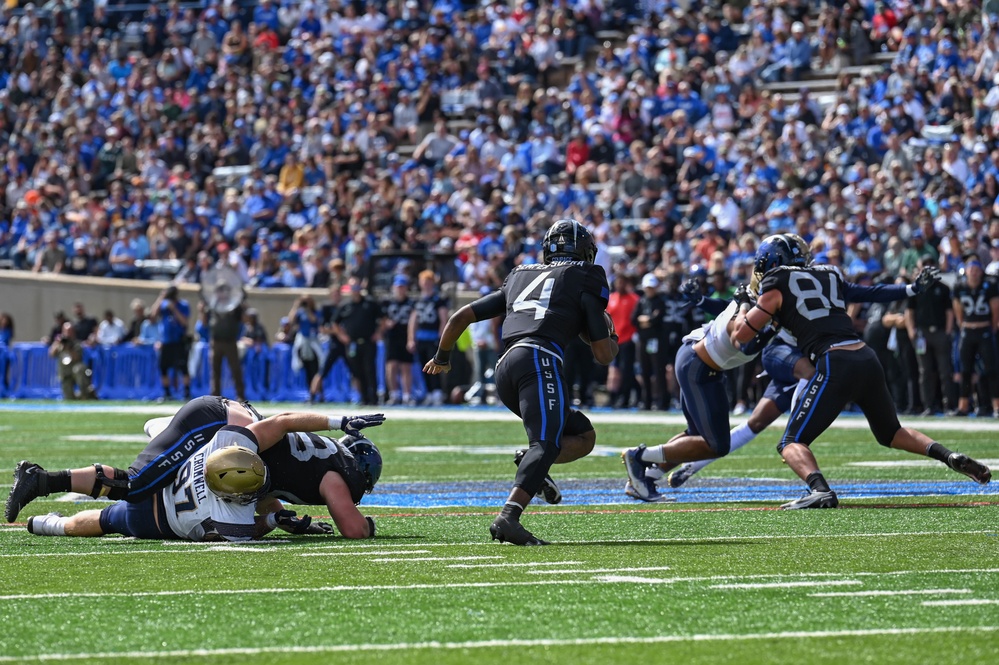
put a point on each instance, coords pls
(567, 238)
(237, 474)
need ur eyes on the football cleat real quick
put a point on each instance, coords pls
(506, 530)
(25, 489)
(961, 463)
(680, 475)
(813, 500)
(653, 494)
(633, 464)
(549, 489)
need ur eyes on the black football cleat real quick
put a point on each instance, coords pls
(506, 530)
(25, 489)
(549, 489)
(813, 500)
(972, 468)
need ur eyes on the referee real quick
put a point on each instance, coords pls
(357, 325)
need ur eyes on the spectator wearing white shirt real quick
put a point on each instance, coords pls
(405, 117)
(111, 330)
(494, 147)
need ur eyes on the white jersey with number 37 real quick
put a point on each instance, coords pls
(193, 511)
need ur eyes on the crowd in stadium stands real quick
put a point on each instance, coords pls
(291, 140)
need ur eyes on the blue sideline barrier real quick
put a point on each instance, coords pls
(132, 372)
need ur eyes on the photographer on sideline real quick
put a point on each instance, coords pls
(73, 372)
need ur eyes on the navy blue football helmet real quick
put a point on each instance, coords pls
(369, 460)
(802, 252)
(776, 251)
(567, 238)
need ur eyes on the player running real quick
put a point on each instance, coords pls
(546, 305)
(808, 303)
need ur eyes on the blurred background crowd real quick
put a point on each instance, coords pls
(296, 141)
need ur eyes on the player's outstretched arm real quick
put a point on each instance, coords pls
(750, 324)
(926, 278)
(348, 519)
(271, 430)
(456, 324)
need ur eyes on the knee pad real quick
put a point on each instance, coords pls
(113, 488)
(577, 423)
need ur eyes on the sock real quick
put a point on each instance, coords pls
(817, 482)
(54, 481)
(48, 525)
(741, 435)
(654, 472)
(653, 455)
(512, 510)
(938, 452)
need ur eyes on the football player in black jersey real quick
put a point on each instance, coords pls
(808, 302)
(546, 305)
(976, 311)
(398, 359)
(426, 324)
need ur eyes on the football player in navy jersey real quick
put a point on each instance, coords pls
(976, 311)
(546, 305)
(784, 362)
(426, 324)
(808, 302)
(213, 494)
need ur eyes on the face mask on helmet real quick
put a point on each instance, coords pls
(237, 474)
(369, 460)
(569, 239)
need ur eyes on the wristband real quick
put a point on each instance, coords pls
(442, 357)
(270, 521)
(371, 525)
(336, 422)
(910, 290)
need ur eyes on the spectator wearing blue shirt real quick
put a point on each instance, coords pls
(266, 14)
(171, 313)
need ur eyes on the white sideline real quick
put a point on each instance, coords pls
(490, 644)
(902, 592)
(970, 601)
(477, 585)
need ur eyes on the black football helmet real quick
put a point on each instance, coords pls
(569, 239)
(802, 252)
(776, 251)
(369, 460)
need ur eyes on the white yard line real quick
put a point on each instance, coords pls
(628, 579)
(781, 585)
(365, 553)
(903, 592)
(436, 558)
(594, 571)
(493, 644)
(476, 585)
(970, 601)
(529, 564)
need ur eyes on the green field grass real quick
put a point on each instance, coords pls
(898, 580)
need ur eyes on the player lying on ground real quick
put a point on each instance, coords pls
(546, 305)
(785, 364)
(211, 496)
(806, 302)
(313, 470)
(188, 431)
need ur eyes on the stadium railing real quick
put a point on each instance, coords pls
(129, 372)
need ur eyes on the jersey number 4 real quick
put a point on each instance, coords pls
(810, 298)
(526, 301)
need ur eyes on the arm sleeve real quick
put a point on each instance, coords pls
(489, 306)
(879, 293)
(596, 285)
(593, 310)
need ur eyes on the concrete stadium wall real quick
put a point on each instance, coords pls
(32, 299)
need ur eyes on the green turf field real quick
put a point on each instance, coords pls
(883, 580)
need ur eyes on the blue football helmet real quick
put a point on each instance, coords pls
(567, 238)
(776, 251)
(803, 254)
(369, 460)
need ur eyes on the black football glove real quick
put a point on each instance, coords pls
(743, 296)
(926, 278)
(691, 291)
(287, 521)
(353, 425)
